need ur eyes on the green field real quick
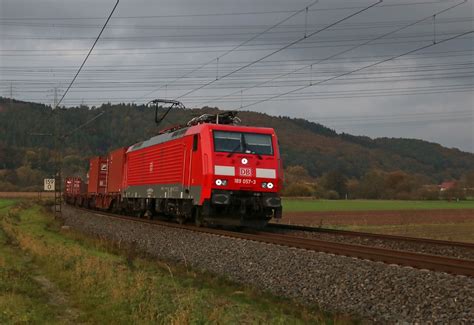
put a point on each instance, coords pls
(306, 205)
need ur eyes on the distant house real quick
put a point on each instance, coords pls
(447, 185)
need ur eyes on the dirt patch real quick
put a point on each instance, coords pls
(377, 218)
(26, 195)
(58, 299)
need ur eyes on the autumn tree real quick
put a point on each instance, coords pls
(372, 185)
(298, 182)
(335, 181)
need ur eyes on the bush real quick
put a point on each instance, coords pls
(427, 194)
(34, 188)
(454, 194)
(403, 196)
(297, 189)
(332, 195)
(8, 187)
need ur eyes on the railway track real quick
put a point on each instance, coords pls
(348, 233)
(422, 261)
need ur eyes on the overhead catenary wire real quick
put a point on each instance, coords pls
(276, 35)
(138, 76)
(142, 72)
(180, 26)
(81, 101)
(374, 25)
(344, 51)
(282, 48)
(87, 56)
(359, 69)
(231, 50)
(239, 83)
(466, 89)
(58, 136)
(424, 56)
(263, 73)
(325, 43)
(169, 15)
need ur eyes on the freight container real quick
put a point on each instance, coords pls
(74, 186)
(98, 169)
(116, 163)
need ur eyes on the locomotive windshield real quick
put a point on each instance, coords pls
(237, 142)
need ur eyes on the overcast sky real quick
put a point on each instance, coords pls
(226, 53)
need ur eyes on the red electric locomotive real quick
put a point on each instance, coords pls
(207, 172)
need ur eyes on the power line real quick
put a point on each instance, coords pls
(359, 69)
(239, 83)
(412, 3)
(340, 94)
(354, 95)
(260, 70)
(88, 54)
(145, 74)
(343, 52)
(84, 124)
(232, 49)
(424, 56)
(249, 47)
(137, 77)
(280, 49)
(350, 26)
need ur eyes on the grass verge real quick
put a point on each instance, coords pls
(104, 283)
(21, 297)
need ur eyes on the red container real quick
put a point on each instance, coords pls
(97, 175)
(74, 186)
(116, 163)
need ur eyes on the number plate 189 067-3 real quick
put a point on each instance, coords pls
(245, 181)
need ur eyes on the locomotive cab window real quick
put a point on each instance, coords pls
(227, 141)
(258, 143)
(236, 142)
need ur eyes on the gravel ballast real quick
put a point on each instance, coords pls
(340, 284)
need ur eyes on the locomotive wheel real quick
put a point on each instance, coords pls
(148, 215)
(181, 219)
(198, 218)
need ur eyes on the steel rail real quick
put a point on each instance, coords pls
(422, 261)
(349, 233)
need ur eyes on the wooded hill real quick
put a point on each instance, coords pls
(25, 156)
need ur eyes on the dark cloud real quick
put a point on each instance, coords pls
(149, 45)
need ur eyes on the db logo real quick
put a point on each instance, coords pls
(245, 172)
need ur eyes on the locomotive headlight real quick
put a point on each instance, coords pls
(244, 161)
(221, 182)
(270, 185)
(264, 185)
